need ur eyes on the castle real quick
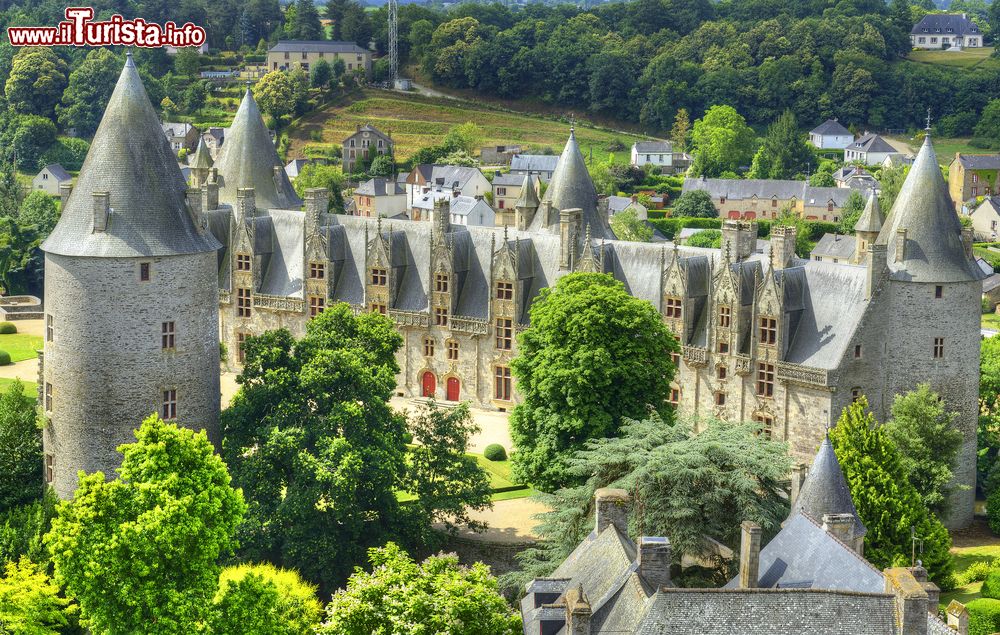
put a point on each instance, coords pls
(764, 336)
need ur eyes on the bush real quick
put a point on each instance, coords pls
(976, 572)
(984, 616)
(68, 152)
(993, 511)
(991, 585)
(495, 452)
(4, 358)
(6, 328)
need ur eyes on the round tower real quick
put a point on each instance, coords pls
(131, 298)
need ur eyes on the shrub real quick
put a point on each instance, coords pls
(991, 585)
(993, 511)
(4, 358)
(975, 572)
(6, 328)
(984, 616)
(495, 452)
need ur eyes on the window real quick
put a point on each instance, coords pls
(48, 397)
(720, 399)
(829, 206)
(975, 191)
(855, 394)
(241, 340)
(501, 191)
(441, 282)
(243, 303)
(938, 347)
(440, 316)
(379, 277)
(50, 330)
(505, 290)
(45, 176)
(672, 307)
(169, 409)
(720, 372)
(722, 199)
(975, 178)
(774, 202)
(352, 145)
(725, 315)
(452, 346)
(938, 291)
(316, 305)
(504, 334)
(428, 347)
(243, 262)
(857, 351)
(317, 270)
(50, 468)
(723, 348)
(501, 383)
(765, 379)
(167, 335)
(676, 359)
(144, 271)
(766, 424)
(768, 331)
(378, 308)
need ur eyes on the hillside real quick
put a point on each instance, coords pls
(416, 121)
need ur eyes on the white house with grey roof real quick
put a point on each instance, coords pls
(831, 134)
(380, 197)
(946, 31)
(50, 178)
(428, 183)
(657, 153)
(540, 165)
(618, 204)
(869, 149)
(471, 210)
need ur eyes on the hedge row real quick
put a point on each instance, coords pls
(670, 226)
(984, 616)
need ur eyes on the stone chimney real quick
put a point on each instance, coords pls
(877, 264)
(193, 197)
(442, 217)
(840, 526)
(317, 200)
(546, 213)
(900, 245)
(65, 189)
(932, 590)
(569, 230)
(958, 617)
(967, 239)
(749, 554)
(612, 509)
(578, 612)
(741, 236)
(911, 601)
(798, 476)
(246, 203)
(102, 210)
(210, 196)
(654, 561)
(782, 245)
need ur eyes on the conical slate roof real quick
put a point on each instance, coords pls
(202, 158)
(248, 159)
(934, 250)
(131, 159)
(825, 490)
(529, 197)
(572, 187)
(871, 219)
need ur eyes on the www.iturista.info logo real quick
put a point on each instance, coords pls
(78, 29)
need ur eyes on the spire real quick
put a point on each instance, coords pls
(932, 249)
(529, 197)
(131, 172)
(825, 490)
(248, 159)
(871, 219)
(202, 158)
(571, 187)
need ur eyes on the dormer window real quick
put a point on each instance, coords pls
(768, 334)
(441, 282)
(317, 270)
(672, 308)
(243, 262)
(380, 277)
(725, 316)
(505, 290)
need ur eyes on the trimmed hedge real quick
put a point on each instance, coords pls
(991, 585)
(984, 616)
(495, 452)
(7, 328)
(993, 511)
(4, 358)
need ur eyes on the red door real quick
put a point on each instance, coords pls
(453, 388)
(429, 384)
(733, 214)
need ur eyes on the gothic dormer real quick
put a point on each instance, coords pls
(674, 291)
(768, 335)
(504, 288)
(726, 306)
(246, 264)
(318, 278)
(442, 281)
(591, 257)
(378, 273)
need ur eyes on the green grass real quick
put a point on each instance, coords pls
(969, 58)
(30, 387)
(944, 147)
(500, 479)
(965, 557)
(991, 321)
(21, 346)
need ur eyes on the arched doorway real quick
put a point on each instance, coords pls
(734, 214)
(429, 383)
(453, 388)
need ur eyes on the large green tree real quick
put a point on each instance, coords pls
(721, 141)
(784, 153)
(988, 128)
(36, 81)
(306, 24)
(851, 211)
(696, 203)
(403, 597)
(275, 94)
(261, 599)
(141, 553)
(594, 355)
(329, 176)
(888, 504)
(20, 449)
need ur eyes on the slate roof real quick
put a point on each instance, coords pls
(934, 251)
(618, 203)
(508, 179)
(202, 158)
(147, 191)
(315, 46)
(534, 162)
(945, 23)
(475, 209)
(248, 159)
(175, 129)
(529, 195)
(871, 142)
(979, 161)
(443, 176)
(991, 282)
(380, 186)
(572, 187)
(766, 189)
(294, 167)
(653, 147)
(830, 127)
(835, 246)
(871, 219)
(825, 490)
(369, 129)
(57, 171)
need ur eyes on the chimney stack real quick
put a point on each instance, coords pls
(782, 245)
(840, 526)
(931, 589)
(612, 509)
(911, 601)
(578, 612)
(741, 236)
(654, 561)
(193, 196)
(246, 203)
(967, 239)
(569, 229)
(798, 477)
(749, 554)
(65, 189)
(877, 264)
(102, 210)
(900, 245)
(317, 200)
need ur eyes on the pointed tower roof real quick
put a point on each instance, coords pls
(248, 159)
(871, 218)
(202, 158)
(934, 251)
(572, 187)
(825, 490)
(130, 159)
(529, 196)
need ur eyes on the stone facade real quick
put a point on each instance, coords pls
(971, 176)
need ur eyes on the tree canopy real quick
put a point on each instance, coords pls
(785, 153)
(721, 141)
(20, 449)
(261, 599)
(697, 203)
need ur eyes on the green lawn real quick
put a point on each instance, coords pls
(500, 479)
(968, 58)
(964, 557)
(21, 346)
(944, 147)
(991, 321)
(30, 387)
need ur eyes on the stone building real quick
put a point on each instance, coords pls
(131, 326)
(771, 337)
(971, 176)
(752, 199)
(364, 145)
(289, 54)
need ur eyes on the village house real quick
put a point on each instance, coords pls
(971, 176)
(50, 178)
(506, 191)
(618, 204)
(831, 134)
(946, 31)
(856, 178)
(540, 165)
(366, 143)
(471, 210)
(986, 219)
(214, 138)
(379, 197)
(837, 248)
(428, 183)
(288, 54)
(182, 136)
(498, 155)
(869, 149)
(659, 154)
(766, 198)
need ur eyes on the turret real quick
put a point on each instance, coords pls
(571, 188)
(526, 205)
(201, 165)
(868, 226)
